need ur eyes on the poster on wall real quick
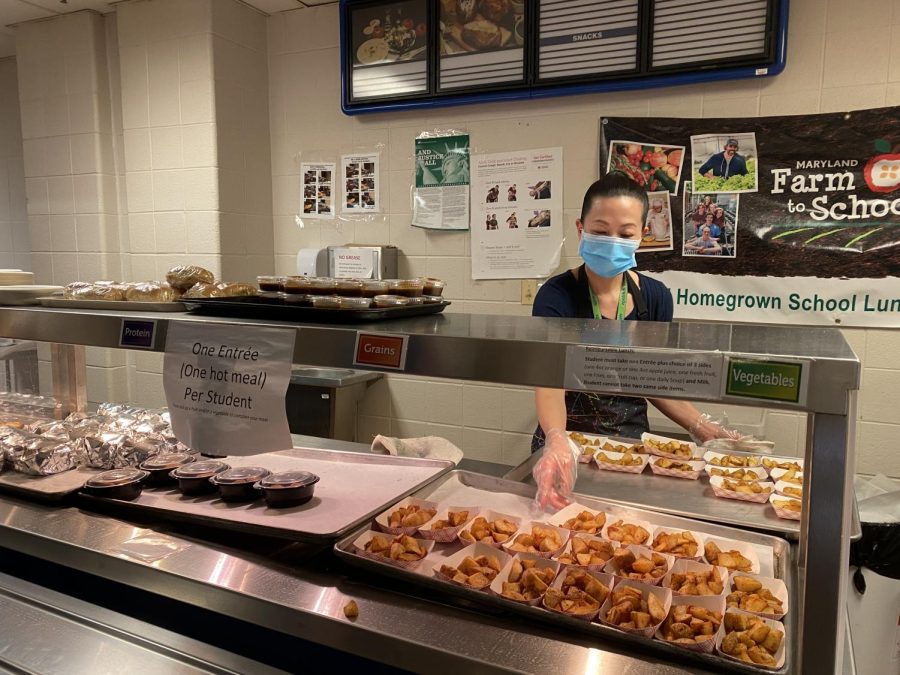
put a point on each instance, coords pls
(813, 199)
(517, 214)
(482, 43)
(361, 183)
(441, 193)
(388, 49)
(317, 190)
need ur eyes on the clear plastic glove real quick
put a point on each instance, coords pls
(556, 471)
(706, 428)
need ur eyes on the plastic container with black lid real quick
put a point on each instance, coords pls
(288, 488)
(160, 466)
(124, 483)
(193, 478)
(237, 485)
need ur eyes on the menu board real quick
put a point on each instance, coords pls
(482, 43)
(388, 49)
(581, 38)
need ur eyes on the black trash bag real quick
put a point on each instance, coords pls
(878, 550)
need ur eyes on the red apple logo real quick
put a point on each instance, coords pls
(882, 173)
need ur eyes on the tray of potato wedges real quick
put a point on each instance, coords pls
(652, 580)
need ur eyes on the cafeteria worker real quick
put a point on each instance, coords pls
(604, 287)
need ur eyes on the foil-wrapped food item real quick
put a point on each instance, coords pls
(55, 429)
(39, 456)
(114, 450)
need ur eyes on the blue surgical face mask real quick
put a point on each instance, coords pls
(607, 256)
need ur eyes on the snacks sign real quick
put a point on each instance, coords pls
(766, 208)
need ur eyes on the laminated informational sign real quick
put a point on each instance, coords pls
(441, 195)
(225, 387)
(317, 190)
(361, 183)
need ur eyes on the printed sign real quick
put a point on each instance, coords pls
(353, 263)
(643, 373)
(137, 334)
(441, 196)
(814, 200)
(380, 350)
(225, 386)
(766, 380)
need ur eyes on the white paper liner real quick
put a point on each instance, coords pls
(787, 514)
(586, 537)
(645, 437)
(715, 603)
(776, 475)
(760, 472)
(696, 465)
(526, 528)
(699, 536)
(365, 537)
(540, 562)
(684, 565)
(781, 485)
(607, 580)
(647, 525)
(780, 460)
(474, 550)
(745, 549)
(662, 594)
(639, 551)
(571, 511)
(383, 518)
(606, 466)
(445, 535)
(490, 516)
(775, 586)
(710, 455)
(779, 655)
(717, 482)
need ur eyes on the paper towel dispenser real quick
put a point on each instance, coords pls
(358, 261)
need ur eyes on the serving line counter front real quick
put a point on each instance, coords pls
(300, 592)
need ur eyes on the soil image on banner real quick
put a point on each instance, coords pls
(825, 205)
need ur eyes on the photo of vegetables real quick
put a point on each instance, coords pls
(657, 168)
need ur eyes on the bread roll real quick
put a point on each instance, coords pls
(201, 290)
(151, 291)
(111, 292)
(233, 290)
(183, 277)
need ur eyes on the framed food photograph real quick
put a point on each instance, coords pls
(387, 50)
(482, 44)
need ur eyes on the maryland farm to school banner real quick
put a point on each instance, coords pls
(790, 219)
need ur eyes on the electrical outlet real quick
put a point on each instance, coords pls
(529, 290)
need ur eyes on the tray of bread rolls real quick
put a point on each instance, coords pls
(582, 568)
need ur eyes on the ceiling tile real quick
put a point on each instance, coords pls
(13, 11)
(315, 3)
(273, 6)
(70, 6)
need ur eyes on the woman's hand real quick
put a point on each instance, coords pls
(556, 471)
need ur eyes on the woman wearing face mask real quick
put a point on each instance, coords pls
(604, 287)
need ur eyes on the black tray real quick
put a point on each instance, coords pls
(275, 310)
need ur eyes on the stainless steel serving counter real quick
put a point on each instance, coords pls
(293, 591)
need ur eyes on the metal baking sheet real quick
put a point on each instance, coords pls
(114, 305)
(260, 308)
(689, 498)
(353, 488)
(516, 499)
(46, 488)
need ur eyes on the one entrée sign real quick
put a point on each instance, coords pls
(766, 380)
(381, 350)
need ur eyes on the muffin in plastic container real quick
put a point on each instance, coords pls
(237, 484)
(355, 303)
(528, 529)
(775, 586)
(432, 299)
(391, 301)
(407, 287)
(416, 300)
(297, 285)
(504, 576)
(363, 539)
(606, 580)
(473, 551)
(697, 467)
(710, 603)
(270, 283)
(298, 299)
(193, 478)
(432, 286)
(124, 484)
(383, 519)
(663, 598)
(612, 567)
(322, 286)
(326, 301)
(372, 287)
(348, 287)
(436, 530)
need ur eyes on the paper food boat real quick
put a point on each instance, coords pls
(714, 603)
(475, 551)
(445, 535)
(647, 437)
(383, 518)
(717, 483)
(697, 467)
(662, 594)
(540, 562)
(365, 537)
(775, 586)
